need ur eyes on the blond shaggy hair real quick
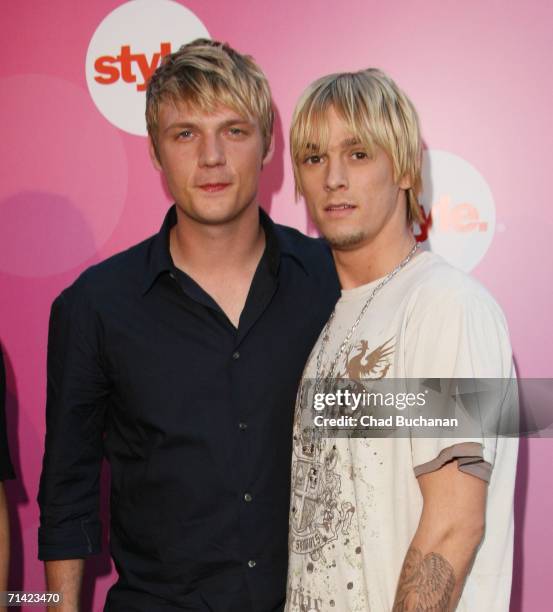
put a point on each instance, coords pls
(376, 111)
(207, 74)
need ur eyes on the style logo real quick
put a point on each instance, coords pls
(126, 49)
(108, 72)
(459, 210)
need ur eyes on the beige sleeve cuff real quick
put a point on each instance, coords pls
(470, 459)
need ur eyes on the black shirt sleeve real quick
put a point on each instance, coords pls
(76, 395)
(6, 468)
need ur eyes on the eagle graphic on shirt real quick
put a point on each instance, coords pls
(367, 364)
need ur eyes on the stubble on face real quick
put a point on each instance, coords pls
(348, 173)
(346, 242)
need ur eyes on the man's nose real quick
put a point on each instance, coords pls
(336, 175)
(212, 151)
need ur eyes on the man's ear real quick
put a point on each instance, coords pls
(270, 152)
(153, 154)
(405, 182)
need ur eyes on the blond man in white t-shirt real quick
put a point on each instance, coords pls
(405, 523)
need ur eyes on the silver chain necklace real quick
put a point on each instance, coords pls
(345, 343)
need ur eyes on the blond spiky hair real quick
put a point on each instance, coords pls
(206, 74)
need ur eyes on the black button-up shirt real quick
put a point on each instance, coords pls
(194, 417)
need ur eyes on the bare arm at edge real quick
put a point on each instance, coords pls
(4, 542)
(65, 577)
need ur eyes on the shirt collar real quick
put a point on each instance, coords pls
(159, 257)
(280, 242)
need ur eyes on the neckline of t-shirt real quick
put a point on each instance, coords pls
(351, 294)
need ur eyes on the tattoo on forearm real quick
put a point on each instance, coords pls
(425, 584)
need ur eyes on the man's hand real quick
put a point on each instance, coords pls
(450, 530)
(65, 577)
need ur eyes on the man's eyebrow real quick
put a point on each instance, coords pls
(180, 124)
(351, 141)
(190, 124)
(236, 121)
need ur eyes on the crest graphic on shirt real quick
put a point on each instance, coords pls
(319, 516)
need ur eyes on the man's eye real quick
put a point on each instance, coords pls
(359, 155)
(313, 159)
(184, 134)
(235, 131)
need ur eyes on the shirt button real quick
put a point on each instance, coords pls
(248, 497)
(236, 355)
(251, 563)
(243, 426)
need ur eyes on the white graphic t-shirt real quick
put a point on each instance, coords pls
(356, 502)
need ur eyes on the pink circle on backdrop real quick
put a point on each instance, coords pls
(64, 176)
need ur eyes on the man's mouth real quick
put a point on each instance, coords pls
(339, 208)
(213, 187)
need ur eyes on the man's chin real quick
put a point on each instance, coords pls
(345, 242)
(216, 215)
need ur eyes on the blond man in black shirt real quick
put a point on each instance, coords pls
(178, 360)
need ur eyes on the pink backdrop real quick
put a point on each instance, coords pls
(76, 189)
